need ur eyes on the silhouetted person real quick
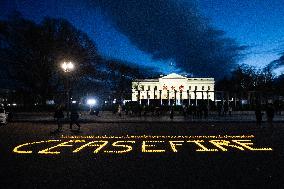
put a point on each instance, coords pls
(189, 110)
(199, 111)
(194, 111)
(59, 116)
(139, 110)
(74, 117)
(97, 112)
(92, 111)
(270, 115)
(220, 109)
(172, 113)
(258, 116)
(10, 116)
(206, 111)
(114, 110)
(230, 110)
(145, 111)
(119, 110)
(184, 111)
(225, 110)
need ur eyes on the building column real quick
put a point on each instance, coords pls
(161, 101)
(147, 97)
(188, 97)
(207, 98)
(175, 102)
(195, 96)
(223, 98)
(139, 98)
(180, 98)
(168, 92)
(215, 98)
(235, 100)
(228, 99)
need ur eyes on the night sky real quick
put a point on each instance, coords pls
(257, 24)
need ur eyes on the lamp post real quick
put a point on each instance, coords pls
(67, 67)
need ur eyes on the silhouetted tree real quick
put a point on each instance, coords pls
(33, 53)
(247, 78)
(119, 75)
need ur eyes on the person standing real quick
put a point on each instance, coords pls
(59, 117)
(230, 110)
(194, 111)
(225, 109)
(172, 113)
(184, 110)
(119, 110)
(270, 115)
(74, 117)
(206, 111)
(258, 115)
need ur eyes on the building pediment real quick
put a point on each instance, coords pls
(173, 76)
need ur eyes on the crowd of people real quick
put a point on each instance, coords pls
(59, 117)
(200, 111)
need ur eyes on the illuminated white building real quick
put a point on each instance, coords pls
(173, 88)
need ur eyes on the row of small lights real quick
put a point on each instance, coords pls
(157, 137)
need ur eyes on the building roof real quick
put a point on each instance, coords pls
(174, 76)
(146, 80)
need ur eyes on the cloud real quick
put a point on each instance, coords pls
(168, 30)
(276, 63)
(173, 29)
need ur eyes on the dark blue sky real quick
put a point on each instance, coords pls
(258, 24)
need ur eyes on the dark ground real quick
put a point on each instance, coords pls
(185, 169)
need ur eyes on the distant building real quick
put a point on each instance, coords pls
(173, 89)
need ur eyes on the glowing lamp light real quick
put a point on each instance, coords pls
(91, 102)
(67, 66)
(74, 101)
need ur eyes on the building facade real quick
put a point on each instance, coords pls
(173, 88)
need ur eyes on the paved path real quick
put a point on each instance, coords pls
(110, 117)
(185, 169)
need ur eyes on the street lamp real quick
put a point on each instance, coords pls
(91, 102)
(68, 67)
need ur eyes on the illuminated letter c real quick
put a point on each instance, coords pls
(16, 149)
